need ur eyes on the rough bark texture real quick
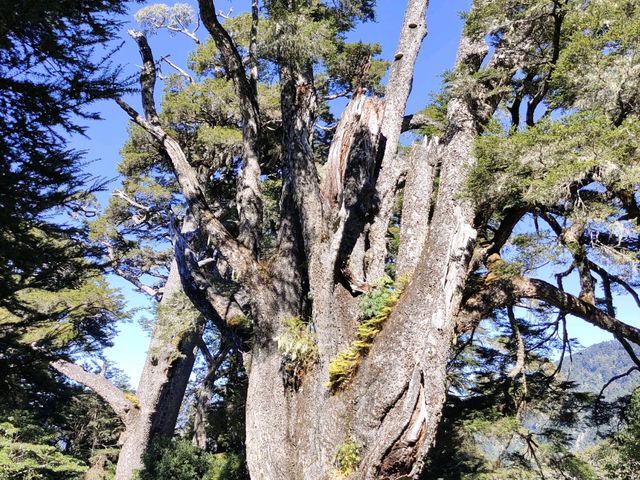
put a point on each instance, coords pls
(417, 202)
(164, 378)
(153, 411)
(412, 34)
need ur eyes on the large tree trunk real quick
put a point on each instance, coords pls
(164, 377)
(391, 408)
(153, 411)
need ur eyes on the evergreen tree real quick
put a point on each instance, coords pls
(50, 72)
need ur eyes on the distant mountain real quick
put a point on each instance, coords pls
(594, 366)
(591, 369)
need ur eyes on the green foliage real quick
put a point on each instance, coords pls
(617, 458)
(297, 344)
(436, 112)
(496, 426)
(79, 319)
(50, 73)
(348, 456)
(226, 412)
(180, 460)
(539, 164)
(376, 307)
(598, 66)
(31, 452)
(174, 459)
(154, 17)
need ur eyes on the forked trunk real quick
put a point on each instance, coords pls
(390, 411)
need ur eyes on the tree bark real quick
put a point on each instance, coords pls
(417, 202)
(153, 411)
(164, 377)
(391, 408)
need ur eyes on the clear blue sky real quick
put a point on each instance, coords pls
(106, 137)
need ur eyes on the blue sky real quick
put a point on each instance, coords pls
(105, 138)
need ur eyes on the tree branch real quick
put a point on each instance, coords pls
(100, 385)
(416, 121)
(248, 197)
(523, 287)
(180, 70)
(518, 368)
(240, 258)
(212, 305)
(147, 77)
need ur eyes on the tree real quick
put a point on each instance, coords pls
(40, 435)
(49, 76)
(617, 457)
(347, 370)
(135, 232)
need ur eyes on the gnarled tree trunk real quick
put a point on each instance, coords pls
(164, 378)
(153, 411)
(332, 247)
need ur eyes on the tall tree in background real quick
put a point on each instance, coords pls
(53, 303)
(49, 75)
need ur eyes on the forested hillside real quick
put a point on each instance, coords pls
(340, 285)
(592, 368)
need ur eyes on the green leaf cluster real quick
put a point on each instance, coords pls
(348, 457)
(29, 451)
(297, 344)
(180, 460)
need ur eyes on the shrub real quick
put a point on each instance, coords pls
(348, 457)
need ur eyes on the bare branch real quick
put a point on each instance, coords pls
(99, 384)
(180, 70)
(416, 121)
(615, 279)
(240, 258)
(522, 287)
(253, 45)
(629, 349)
(518, 368)
(615, 379)
(335, 96)
(147, 77)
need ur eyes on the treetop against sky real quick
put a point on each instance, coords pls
(106, 138)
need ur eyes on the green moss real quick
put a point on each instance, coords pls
(376, 308)
(132, 399)
(348, 456)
